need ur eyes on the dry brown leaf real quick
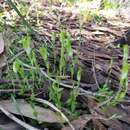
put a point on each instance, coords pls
(82, 121)
(43, 114)
(1, 44)
(78, 124)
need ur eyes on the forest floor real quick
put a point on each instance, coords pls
(64, 67)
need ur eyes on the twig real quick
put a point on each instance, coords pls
(56, 109)
(104, 102)
(9, 91)
(87, 93)
(11, 116)
(3, 81)
(98, 117)
(70, 86)
(14, 81)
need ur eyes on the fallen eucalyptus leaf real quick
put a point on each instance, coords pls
(25, 109)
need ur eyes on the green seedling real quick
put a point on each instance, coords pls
(55, 94)
(44, 55)
(104, 90)
(124, 77)
(106, 4)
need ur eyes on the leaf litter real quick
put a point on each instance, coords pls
(96, 46)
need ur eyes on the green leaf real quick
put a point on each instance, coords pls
(79, 74)
(62, 38)
(26, 41)
(69, 47)
(16, 66)
(43, 52)
(126, 52)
